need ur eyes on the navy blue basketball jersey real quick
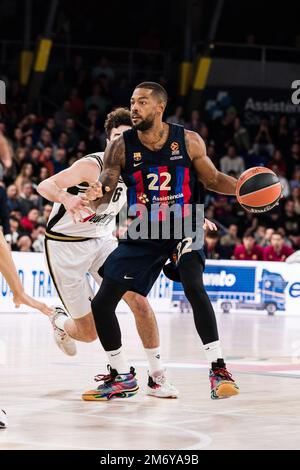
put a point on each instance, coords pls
(160, 179)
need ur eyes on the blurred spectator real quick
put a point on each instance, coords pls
(38, 237)
(25, 176)
(45, 140)
(76, 103)
(213, 248)
(18, 138)
(230, 239)
(43, 220)
(295, 182)
(59, 160)
(14, 231)
(97, 100)
(295, 197)
(260, 235)
(24, 243)
(293, 162)
(277, 251)
(231, 163)
(70, 129)
(103, 68)
(278, 161)
(248, 250)
(46, 159)
(28, 200)
(13, 200)
(283, 135)
(194, 123)
(241, 137)
(177, 117)
(59, 88)
(290, 220)
(263, 140)
(63, 113)
(29, 221)
(43, 175)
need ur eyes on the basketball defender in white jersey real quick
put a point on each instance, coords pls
(78, 241)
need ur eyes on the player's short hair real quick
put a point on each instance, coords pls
(157, 90)
(118, 117)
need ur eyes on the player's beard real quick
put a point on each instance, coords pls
(144, 125)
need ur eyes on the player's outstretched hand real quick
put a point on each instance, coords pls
(208, 225)
(77, 207)
(22, 298)
(95, 191)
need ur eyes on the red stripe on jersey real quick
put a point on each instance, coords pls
(140, 191)
(164, 184)
(186, 192)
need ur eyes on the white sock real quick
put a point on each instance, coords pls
(60, 321)
(213, 351)
(117, 361)
(155, 363)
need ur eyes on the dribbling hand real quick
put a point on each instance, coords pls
(95, 191)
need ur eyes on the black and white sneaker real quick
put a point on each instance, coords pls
(158, 386)
(62, 339)
(3, 419)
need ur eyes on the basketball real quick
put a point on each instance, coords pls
(258, 189)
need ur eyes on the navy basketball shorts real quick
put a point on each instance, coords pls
(137, 264)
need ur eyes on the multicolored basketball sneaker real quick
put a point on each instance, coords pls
(221, 381)
(115, 386)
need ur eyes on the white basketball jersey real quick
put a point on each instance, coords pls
(100, 224)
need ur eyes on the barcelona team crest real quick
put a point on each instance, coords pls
(175, 148)
(137, 156)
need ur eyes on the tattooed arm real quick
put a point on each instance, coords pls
(113, 162)
(207, 173)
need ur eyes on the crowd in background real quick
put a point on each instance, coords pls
(35, 145)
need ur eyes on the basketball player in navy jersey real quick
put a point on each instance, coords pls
(161, 164)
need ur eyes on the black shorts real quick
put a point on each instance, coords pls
(137, 263)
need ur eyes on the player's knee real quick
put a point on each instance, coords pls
(138, 304)
(193, 285)
(87, 335)
(90, 337)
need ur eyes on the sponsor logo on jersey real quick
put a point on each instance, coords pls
(143, 198)
(170, 198)
(178, 157)
(137, 156)
(175, 148)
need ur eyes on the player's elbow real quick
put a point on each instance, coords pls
(211, 182)
(42, 188)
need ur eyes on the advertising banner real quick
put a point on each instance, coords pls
(38, 283)
(251, 104)
(250, 286)
(233, 286)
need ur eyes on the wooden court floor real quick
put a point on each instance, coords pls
(40, 388)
